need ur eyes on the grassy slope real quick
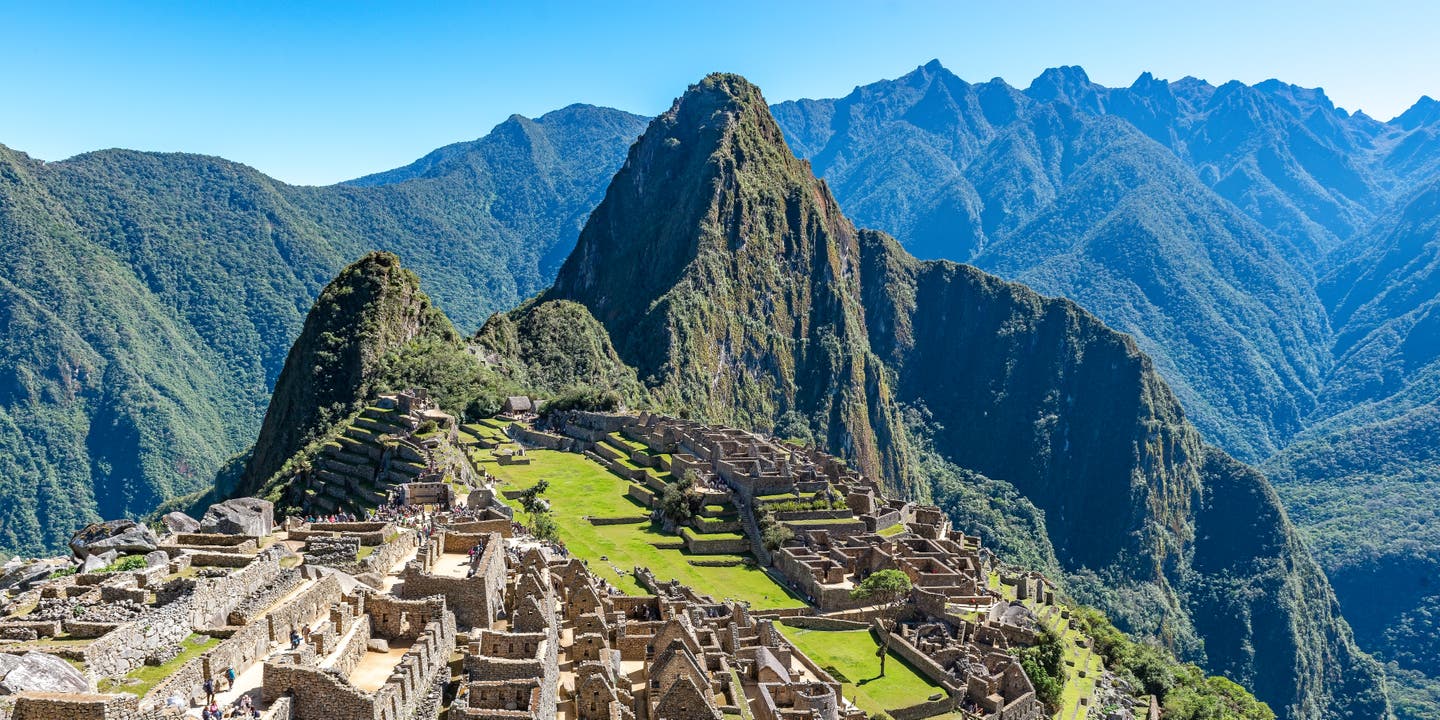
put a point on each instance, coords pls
(852, 652)
(579, 487)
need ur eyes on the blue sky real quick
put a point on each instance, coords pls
(314, 93)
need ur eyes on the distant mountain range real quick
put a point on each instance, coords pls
(1274, 255)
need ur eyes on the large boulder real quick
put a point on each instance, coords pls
(39, 672)
(240, 516)
(22, 574)
(347, 582)
(125, 537)
(96, 563)
(179, 522)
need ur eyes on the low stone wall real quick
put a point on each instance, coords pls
(643, 494)
(819, 622)
(391, 552)
(624, 520)
(368, 538)
(220, 559)
(535, 438)
(126, 647)
(501, 527)
(706, 545)
(76, 706)
(930, 708)
(922, 662)
(82, 629)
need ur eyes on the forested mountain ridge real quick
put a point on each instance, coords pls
(152, 297)
(761, 303)
(1271, 252)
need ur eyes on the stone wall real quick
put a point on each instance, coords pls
(535, 438)
(351, 649)
(214, 598)
(303, 609)
(391, 552)
(475, 600)
(73, 706)
(920, 661)
(126, 647)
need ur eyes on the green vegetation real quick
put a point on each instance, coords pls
(1044, 663)
(850, 656)
(1183, 690)
(142, 679)
(579, 488)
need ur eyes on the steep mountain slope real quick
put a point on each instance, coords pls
(726, 274)
(1363, 479)
(97, 379)
(154, 296)
(370, 310)
(1048, 187)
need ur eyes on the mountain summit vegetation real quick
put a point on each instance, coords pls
(726, 275)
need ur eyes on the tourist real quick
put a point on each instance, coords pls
(229, 678)
(209, 687)
(294, 640)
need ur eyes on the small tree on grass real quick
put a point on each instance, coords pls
(542, 526)
(680, 501)
(888, 589)
(530, 499)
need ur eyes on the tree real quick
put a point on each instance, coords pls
(889, 589)
(776, 536)
(680, 501)
(1044, 663)
(543, 526)
(530, 499)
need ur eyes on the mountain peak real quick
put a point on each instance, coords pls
(373, 307)
(1426, 110)
(1067, 84)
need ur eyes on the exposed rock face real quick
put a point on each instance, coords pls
(125, 537)
(19, 573)
(39, 672)
(95, 563)
(179, 522)
(725, 273)
(240, 516)
(727, 276)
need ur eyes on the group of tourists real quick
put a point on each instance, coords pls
(242, 707)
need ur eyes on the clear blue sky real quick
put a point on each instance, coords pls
(319, 92)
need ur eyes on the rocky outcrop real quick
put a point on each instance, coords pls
(125, 537)
(179, 522)
(240, 516)
(39, 672)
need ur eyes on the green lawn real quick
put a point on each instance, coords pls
(579, 487)
(148, 675)
(893, 530)
(852, 653)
